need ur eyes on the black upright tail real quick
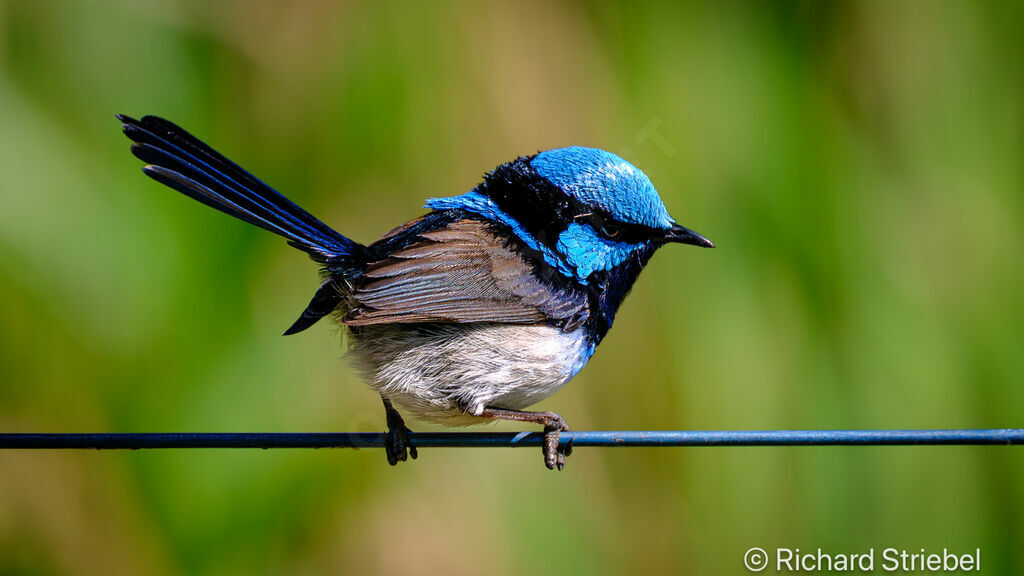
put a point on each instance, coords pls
(179, 160)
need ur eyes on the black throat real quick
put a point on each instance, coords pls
(608, 288)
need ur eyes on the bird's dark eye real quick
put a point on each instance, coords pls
(610, 231)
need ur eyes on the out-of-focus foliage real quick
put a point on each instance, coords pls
(858, 165)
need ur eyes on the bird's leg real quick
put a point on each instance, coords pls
(554, 455)
(398, 440)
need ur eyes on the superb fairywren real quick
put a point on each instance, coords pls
(485, 305)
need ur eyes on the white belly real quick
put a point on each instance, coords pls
(432, 370)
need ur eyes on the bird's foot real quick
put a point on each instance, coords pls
(554, 425)
(554, 453)
(398, 445)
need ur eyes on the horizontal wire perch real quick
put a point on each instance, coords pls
(133, 441)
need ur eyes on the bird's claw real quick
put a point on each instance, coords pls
(554, 453)
(398, 445)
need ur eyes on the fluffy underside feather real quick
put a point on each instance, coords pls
(446, 372)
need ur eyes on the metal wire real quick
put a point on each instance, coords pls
(131, 441)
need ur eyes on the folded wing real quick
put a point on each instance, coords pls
(461, 272)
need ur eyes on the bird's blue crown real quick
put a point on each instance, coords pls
(605, 181)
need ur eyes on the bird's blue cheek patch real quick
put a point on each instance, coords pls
(588, 252)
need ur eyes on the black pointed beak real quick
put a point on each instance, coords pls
(683, 235)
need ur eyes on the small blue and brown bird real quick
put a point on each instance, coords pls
(487, 304)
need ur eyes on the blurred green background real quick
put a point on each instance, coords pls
(858, 165)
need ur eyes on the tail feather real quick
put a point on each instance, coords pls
(181, 161)
(326, 299)
(201, 193)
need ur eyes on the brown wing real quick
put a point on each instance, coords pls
(460, 273)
